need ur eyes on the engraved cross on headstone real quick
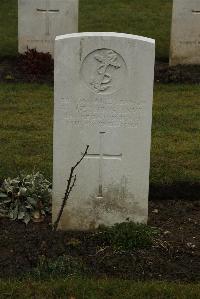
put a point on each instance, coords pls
(102, 156)
(47, 12)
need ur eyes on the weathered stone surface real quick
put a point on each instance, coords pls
(103, 98)
(185, 35)
(40, 21)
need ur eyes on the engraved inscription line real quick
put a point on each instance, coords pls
(196, 12)
(103, 112)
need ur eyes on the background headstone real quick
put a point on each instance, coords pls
(103, 98)
(40, 21)
(185, 34)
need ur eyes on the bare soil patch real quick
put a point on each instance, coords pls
(175, 255)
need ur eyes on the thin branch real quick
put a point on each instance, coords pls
(70, 186)
(83, 156)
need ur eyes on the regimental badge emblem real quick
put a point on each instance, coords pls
(104, 71)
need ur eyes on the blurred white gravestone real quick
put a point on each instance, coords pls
(103, 98)
(40, 21)
(185, 34)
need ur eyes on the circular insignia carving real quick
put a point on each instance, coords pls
(104, 71)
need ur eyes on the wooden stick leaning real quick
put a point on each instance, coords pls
(70, 185)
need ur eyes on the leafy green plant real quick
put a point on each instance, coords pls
(59, 267)
(25, 197)
(129, 235)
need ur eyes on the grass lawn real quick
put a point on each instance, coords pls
(25, 128)
(175, 136)
(140, 17)
(75, 288)
(26, 131)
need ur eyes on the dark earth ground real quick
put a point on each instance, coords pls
(174, 256)
(39, 68)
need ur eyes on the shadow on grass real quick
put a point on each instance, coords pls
(177, 190)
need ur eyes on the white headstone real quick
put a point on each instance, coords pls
(185, 35)
(103, 98)
(40, 21)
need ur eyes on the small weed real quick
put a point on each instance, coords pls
(59, 267)
(74, 243)
(130, 235)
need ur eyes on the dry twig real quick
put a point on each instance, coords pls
(70, 185)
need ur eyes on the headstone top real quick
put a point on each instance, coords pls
(106, 34)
